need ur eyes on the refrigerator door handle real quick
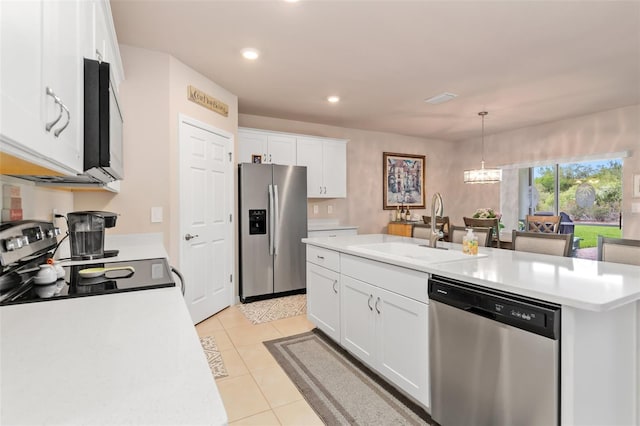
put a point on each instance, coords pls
(276, 220)
(271, 220)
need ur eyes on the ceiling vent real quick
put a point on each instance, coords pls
(440, 99)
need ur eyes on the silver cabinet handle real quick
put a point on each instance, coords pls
(325, 189)
(265, 157)
(369, 302)
(57, 100)
(270, 160)
(320, 257)
(377, 301)
(190, 237)
(321, 190)
(334, 286)
(60, 130)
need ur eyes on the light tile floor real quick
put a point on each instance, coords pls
(257, 391)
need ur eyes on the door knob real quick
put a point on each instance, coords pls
(190, 237)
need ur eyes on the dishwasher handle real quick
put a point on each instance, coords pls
(481, 312)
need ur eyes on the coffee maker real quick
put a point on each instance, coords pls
(86, 234)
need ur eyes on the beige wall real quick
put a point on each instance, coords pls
(144, 100)
(363, 205)
(572, 139)
(38, 202)
(153, 95)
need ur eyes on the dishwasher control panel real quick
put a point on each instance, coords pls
(528, 314)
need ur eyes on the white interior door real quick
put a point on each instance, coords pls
(206, 202)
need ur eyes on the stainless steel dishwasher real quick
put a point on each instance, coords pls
(494, 356)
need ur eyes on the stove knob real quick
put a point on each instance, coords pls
(53, 232)
(24, 239)
(13, 243)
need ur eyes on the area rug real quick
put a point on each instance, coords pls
(339, 388)
(213, 357)
(274, 309)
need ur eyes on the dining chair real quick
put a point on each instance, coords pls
(547, 224)
(543, 243)
(618, 250)
(474, 222)
(442, 224)
(484, 235)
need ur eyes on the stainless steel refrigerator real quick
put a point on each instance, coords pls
(273, 221)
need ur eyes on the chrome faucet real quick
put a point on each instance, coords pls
(434, 235)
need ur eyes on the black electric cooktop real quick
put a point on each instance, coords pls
(148, 274)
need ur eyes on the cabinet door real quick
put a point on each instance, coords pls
(309, 154)
(323, 299)
(20, 74)
(402, 343)
(402, 229)
(282, 150)
(334, 166)
(62, 73)
(251, 143)
(357, 319)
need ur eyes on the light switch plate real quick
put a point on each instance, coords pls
(329, 209)
(156, 214)
(315, 209)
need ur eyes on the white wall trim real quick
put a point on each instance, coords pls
(577, 159)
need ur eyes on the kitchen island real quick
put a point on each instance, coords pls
(600, 320)
(124, 358)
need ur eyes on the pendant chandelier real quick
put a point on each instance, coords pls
(483, 175)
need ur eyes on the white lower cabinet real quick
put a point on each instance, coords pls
(376, 311)
(388, 332)
(323, 299)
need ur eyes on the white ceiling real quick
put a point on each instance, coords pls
(526, 62)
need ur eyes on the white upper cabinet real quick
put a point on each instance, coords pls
(105, 45)
(42, 46)
(20, 72)
(62, 77)
(324, 158)
(326, 162)
(272, 148)
(40, 86)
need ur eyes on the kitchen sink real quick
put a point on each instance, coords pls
(414, 252)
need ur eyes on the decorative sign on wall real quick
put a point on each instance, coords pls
(403, 180)
(209, 102)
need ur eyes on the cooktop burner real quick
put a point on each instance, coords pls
(147, 274)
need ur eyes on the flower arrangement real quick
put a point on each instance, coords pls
(486, 214)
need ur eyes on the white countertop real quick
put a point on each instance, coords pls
(579, 283)
(128, 358)
(125, 358)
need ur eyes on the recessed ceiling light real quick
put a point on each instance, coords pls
(250, 53)
(441, 98)
(333, 99)
(291, 1)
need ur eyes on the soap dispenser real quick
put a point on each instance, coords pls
(470, 243)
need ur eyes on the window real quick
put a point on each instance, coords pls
(588, 193)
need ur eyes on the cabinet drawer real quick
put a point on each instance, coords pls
(328, 258)
(332, 233)
(403, 281)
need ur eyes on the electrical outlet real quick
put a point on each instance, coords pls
(156, 214)
(329, 209)
(315, 209)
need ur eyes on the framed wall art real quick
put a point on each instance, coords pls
(256, 159)
(403, 180)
